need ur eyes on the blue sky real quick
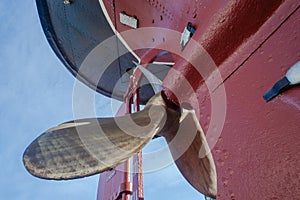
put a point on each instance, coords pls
(36, 94)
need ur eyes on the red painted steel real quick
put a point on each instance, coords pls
(137, 163)
(215, 20)
(253, 43)
(117, 184)
(258, 151)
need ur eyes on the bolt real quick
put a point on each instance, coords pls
(67, 2)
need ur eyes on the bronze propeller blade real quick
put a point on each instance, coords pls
(85, 147)
(89, 146)
(192, 155)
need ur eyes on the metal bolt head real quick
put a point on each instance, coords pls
(67, 2)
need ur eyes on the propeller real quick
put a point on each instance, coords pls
(192, 155)
(86, 147)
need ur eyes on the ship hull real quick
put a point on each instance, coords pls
(255, 143)
(244, 47)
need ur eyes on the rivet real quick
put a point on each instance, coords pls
(67, 2)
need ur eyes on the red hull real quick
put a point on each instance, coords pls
(253, 43)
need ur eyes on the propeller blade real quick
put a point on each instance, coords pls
(85, 147)
(196, 163)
